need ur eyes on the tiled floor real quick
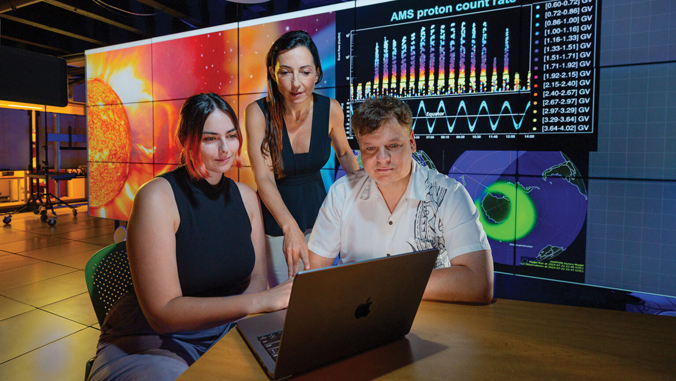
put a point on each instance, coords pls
(48, 329)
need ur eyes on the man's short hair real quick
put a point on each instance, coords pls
(374, 112)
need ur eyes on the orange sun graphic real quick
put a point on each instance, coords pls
(109, 143)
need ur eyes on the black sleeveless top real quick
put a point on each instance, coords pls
(214, 252)
(302, 187)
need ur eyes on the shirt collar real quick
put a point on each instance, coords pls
(417, 189)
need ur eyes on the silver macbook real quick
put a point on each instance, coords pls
(340, 311)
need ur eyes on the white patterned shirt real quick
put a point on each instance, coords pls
(434, 212)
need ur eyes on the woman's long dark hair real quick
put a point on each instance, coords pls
(194, 113)
(274, 113)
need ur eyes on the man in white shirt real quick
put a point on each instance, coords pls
(394, 206)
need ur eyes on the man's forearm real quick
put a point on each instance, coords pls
(460, 284)
(318, 262)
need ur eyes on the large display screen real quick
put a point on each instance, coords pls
(135, 92)
(484, 74)
(508, 98)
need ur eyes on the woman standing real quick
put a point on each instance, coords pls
(290, 133)
(196, 254)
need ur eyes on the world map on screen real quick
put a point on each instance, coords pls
(532, 204)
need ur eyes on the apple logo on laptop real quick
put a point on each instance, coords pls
(363, 309)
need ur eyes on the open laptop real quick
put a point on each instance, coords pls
(339, 311)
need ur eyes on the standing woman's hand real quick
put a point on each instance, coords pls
(295, 249)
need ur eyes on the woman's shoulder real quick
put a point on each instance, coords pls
(256, 105)
(335, 105)
(336, 115)
(157, 187)
(323, 99)
(253, 113)
(246, 191)
(154, 200)
(249, 196)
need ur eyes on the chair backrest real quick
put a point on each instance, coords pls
(108, 278)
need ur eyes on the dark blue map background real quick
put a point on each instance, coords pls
(551, 181)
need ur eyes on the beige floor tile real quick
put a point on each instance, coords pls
(79, 235)
(9, 308)
(39, 267)
(51, 290)
(68, 248)
(77, 261)
(23, 333)
(32, 244)
(8, 234)
(78, 308)
(60, 227)
(12, 261)
(104, 240)
(62, 360)
(30, 274)
(90, 222)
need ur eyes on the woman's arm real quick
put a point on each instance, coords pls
(339, 139)
(295, 245)
(151, 248)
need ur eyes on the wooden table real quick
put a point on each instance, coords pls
(504, 340)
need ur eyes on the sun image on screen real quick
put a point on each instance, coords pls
(109, 142)
(119, 114)
(118, 134)
(127, 70)
(119, 206)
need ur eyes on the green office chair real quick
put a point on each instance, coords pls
(108, 278)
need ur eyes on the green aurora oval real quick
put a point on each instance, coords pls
(501, 221)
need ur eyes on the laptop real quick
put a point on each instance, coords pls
(339, 311)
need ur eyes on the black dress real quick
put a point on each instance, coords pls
(302, 188)
(214, 256)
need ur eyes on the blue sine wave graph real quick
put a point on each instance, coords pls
(505, 121)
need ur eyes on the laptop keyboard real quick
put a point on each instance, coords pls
(271, 343)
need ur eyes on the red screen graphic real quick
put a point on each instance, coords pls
(135, 92)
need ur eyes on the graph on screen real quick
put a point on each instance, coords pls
(514, 73)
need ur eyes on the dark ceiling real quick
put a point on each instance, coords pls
(66, 28)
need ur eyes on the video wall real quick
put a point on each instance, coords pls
(135, 92)
(567, 149)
